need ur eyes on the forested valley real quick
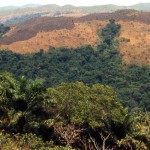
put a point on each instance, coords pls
(83, 98)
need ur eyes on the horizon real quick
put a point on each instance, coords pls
(18, 3)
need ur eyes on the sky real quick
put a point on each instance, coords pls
(72, 2)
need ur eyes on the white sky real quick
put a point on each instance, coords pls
(72, 2)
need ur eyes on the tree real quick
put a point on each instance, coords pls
(77, 103)
(139, 135)
(19, 100)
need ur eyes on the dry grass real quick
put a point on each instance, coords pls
(74, 15)
(138, 49)
(134, 40)
(81, 34)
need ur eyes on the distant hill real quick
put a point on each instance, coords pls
(10, 13)
(90, 9)
(8, 8)
(30, 5)
(112, 8)
(141, 6)
(101, 8)
(18, 7)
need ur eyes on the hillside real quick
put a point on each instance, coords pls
(82, 98)
(30, 28)
(73, 32)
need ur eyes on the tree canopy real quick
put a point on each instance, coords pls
(83, 98)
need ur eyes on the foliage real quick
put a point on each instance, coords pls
(131, 143)
(110, 32)
(3, 29)
(139, 135)
(23, 142)
(74, 114)
(20, 99)
(79, 103)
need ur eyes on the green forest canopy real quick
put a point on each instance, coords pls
(72, 115)
(3, 29)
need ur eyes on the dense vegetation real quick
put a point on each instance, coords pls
(68, 116)
(3, 29)
(74, 99)
(102, 65)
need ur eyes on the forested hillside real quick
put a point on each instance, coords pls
(83, 98)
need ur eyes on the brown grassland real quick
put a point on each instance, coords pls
(75, 32)
(81, 34)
